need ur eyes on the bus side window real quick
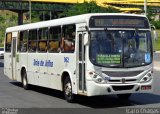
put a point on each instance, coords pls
(22, 41)
(42, 39)
(32, 43)
(54, 39)
(8, 42)
(68, 39)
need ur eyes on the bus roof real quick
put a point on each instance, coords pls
(63, 21)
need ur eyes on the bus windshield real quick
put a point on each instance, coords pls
(120, 48)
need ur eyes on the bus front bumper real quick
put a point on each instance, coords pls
(94, 89)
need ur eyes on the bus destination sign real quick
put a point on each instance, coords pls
(119, 21)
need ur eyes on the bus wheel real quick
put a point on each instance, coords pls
(67, 88)
(124, 96)
(24, 80)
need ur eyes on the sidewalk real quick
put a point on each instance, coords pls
(157, 52)
(156, 65)
(157, 60)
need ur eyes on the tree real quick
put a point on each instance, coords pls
(151, 17)
(150, 14)
(2, 20)
(88, 7)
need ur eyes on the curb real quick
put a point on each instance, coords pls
(156, 65)
(157, 52)
(157, 68)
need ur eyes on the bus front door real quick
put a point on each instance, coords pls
(13, 54)
(81, 63)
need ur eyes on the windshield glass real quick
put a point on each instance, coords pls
(129, 48)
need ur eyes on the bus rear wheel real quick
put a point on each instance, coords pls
(67, 88)
(124, 96)
(24, 80)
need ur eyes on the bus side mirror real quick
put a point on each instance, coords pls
(155, 35)
(86, 39)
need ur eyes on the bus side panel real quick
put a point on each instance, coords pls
(32, 71)
(8, 65)
(42, 66)
(71, 66)
(54, 72)
(62, 62)
(22, 63)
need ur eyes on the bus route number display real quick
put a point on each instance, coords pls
(108, 59)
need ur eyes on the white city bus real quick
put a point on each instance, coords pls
(90, 54)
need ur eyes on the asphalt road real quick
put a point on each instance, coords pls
(12, 95)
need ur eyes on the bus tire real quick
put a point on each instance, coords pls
(124, 96)
(24, 80)
(67, 89)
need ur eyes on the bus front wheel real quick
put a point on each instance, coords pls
(124, 96)
(24, 80)
(67, 87)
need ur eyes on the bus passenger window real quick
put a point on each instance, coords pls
(32, 46)
(42, 46)
(32, 43)
(8, 42)
(68, 39)
(42, 39)
(53, 46)
(54, 40)
(22, 42)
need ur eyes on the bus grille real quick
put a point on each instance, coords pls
(122, 74)
(121, 88)
(118, 80)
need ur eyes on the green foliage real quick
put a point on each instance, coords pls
(1, 45)
(156, 43)
(156, 24)
(151, 16)
(2, 19)
(87, 7)
(7, 19)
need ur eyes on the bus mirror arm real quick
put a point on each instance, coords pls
(87, 29)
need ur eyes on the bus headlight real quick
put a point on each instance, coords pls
(146, 78)
(98, 79)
